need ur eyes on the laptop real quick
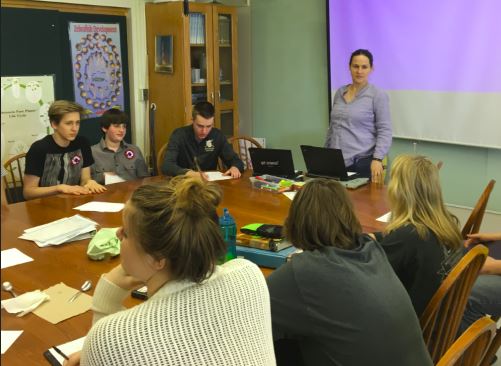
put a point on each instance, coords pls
(277, 162)
(323, 162)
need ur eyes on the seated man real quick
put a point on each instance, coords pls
(60, 163)
(113, 156)
(203, 141)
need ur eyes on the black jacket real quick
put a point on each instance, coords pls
(183, 147)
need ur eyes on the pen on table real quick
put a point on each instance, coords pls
(61, 353)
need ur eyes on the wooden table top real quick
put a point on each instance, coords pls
(69, 263)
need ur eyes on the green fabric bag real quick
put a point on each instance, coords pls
(104, 244)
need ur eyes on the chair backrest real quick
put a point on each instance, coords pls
(473, 223)
(442, 316)
(241, 146)
(14, 180)
(160, 158)
(470, 348)
(493, 348)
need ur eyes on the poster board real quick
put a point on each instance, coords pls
(25, 103)
(97, 66)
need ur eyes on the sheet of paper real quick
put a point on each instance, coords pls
(100, 206)
(58, 308)
(217, 176)
(384, 218)
(9, 337)
(13, 256)
(112, 179)
(67, 349)
(290, 195)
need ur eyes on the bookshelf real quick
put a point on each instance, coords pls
(205, 65)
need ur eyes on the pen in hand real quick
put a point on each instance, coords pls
(61, 353)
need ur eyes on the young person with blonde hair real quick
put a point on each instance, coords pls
(422, 240)
(198, 312)
(60, 163)
(339, 301)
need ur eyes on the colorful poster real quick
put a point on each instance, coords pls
(97, 66)
(25, 103)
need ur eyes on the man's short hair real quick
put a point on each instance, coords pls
(113, 116)
(204, 109)
(61, 107)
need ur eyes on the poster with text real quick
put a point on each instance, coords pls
(25, 103)
(97, 66)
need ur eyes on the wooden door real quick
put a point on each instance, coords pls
(166, 84)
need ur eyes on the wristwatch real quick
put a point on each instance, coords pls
(377, 159)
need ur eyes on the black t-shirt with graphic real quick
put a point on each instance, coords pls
(58, 165)
(183, 147)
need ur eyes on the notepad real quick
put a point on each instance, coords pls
(55, 359)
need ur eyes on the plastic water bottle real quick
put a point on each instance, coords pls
(229, 231)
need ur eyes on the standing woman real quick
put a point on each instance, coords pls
(422, 240)
(360, 122)
(198, 313)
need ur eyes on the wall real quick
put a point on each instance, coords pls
(289, 76)
(290, 99)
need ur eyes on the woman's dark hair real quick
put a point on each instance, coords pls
(177, 220)
(362, 52)
(321, 215)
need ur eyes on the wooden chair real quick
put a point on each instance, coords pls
(493, 348)
(241, 146)
(470, 348)
(473, 223)
(160, 158)
(14, 180)
(442, 316)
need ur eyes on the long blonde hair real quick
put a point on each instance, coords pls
(416, 199)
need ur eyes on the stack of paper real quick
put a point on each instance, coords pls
(61, 231)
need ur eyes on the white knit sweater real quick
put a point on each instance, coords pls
(223, 321)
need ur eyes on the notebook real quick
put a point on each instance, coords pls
(323, 162)
(277, 162)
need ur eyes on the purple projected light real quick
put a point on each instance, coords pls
(448, 45)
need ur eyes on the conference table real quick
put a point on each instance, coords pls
(68, 263)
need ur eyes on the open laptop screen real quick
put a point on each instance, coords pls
(326, 162)
(276, 162)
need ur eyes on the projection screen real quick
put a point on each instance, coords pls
(439, 61)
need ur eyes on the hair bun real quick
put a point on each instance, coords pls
(195, 197)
